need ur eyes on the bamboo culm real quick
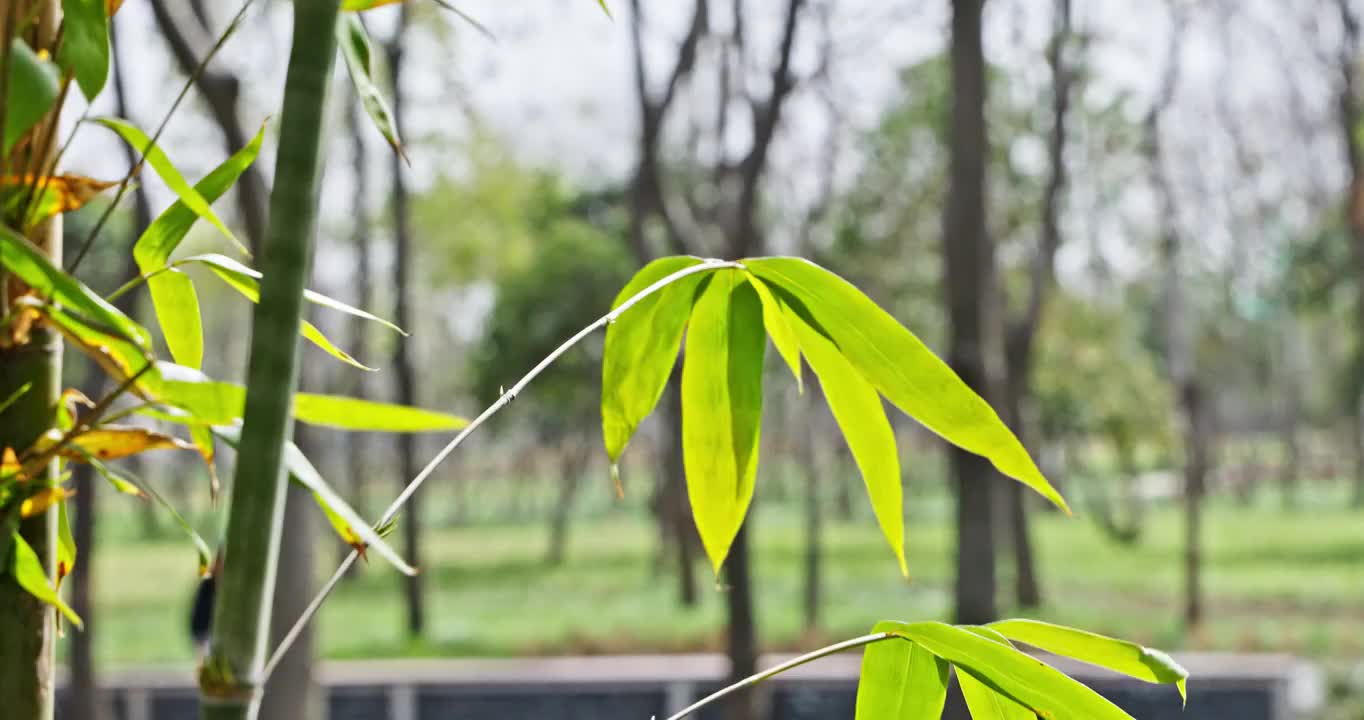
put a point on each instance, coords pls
(232, 677)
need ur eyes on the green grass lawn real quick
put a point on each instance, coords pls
(1288, 582)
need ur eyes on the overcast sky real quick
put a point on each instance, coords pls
(557, 86)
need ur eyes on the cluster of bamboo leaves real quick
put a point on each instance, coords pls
(171, 391)
(718, 314)
(721, 315)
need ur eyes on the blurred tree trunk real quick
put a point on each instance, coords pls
(84, 688)
(969, 284)
(1357, 442)
(403, 370)
(1349, 119)
(573, 457)
(1022, 330)
(1178, 322)
(357, 444)
(808, 458)
(1290, 474)
(742, 631)
(674, 512)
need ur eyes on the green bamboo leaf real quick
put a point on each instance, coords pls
(984, 703)
(130, 485)
(29, 573)
(210, 402)
(153, 250)
(604, 8)
(85, 44)
(302, 471)
(169, 174)
(66, 544)
(862, 418)
(28, 263)
(33, 84)
(1120, 656)
(344, 413)
(1034, 684)
(202, 435)
(356, 50)
(177, 310)
(779, 328)
(901, 367)
(249, 288)
(234, 272)
(641, 349)
(901, 681)
(119, 482)
(14, 396)
(722, 408)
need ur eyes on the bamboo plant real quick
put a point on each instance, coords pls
(43, 303)
(727, 311)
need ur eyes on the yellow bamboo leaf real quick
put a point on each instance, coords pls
(50, 195)
(112, 6)
(114, 442)
(39, 502)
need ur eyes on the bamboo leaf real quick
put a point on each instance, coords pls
(177, 310)
(301, 470)
(901, 367)
(358, 54)
(49, 195)
(901, 681)
(641, 349)
(202, 435)
(1120, 656)
(128, 484)
(153, 250)
(211, 402)
(862, 418)
(984, 703)
(344, 413)
(168, 173)
(28, 571)
(32, 90)
(28, 263)
(722, 408)
(779, 328)
(232, 271)
(14, 396)
(85, 44)
(249, 288)
(66, 546)
(112, 442)
(362, 5)
(1034, 684)
(39, 502)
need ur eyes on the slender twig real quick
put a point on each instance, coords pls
(88, 419)
(788, 665)
(507, 397)
(151, 142)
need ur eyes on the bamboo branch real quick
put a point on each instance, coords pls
(440, 457)
(779, 669)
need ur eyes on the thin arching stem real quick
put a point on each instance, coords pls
(507, 397)
(779, 669)
(142, 156)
